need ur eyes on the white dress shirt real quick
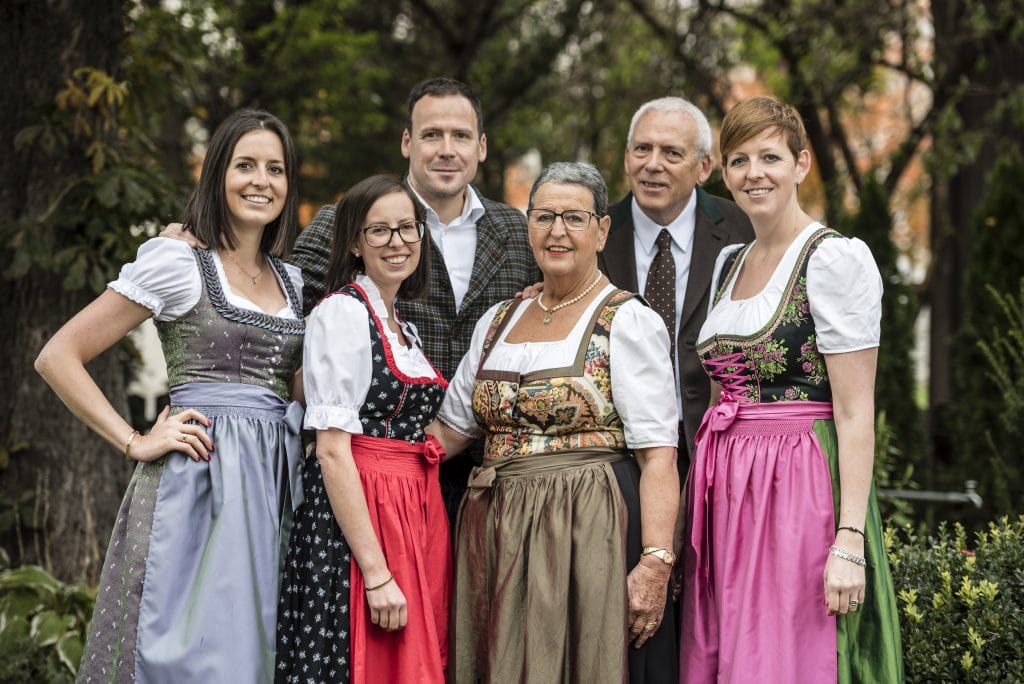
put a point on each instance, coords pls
(645, 237)
(457, 241)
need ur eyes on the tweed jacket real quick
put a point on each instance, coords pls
(503, 265)
(719, 222)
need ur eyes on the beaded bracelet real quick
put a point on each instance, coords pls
(840, 552)
(853, 529)
(378, 586)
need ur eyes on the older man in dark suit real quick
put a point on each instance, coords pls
(483, 253)
(666, 234)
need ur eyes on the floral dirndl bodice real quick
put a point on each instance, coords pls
(217, 341)
(781, 361)
(397, 406)
(554, 409)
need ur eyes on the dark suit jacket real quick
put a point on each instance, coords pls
(719, 223)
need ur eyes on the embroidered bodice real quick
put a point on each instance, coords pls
(397, 406)
(781, 361)
(217, 341)
(554, 409)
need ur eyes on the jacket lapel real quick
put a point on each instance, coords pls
(618, 260)
(491, 237)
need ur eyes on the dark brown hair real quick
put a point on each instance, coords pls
(445, 87)
(206, 214)
(753, 116)
(349, 217)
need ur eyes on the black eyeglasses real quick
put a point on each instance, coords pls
(380, 234)
(572, 219)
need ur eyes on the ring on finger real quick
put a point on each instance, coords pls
(182, 438)
(651, 626)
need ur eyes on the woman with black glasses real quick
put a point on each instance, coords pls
(366, 584)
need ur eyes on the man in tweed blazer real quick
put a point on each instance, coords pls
(483, 253)
(668, 152)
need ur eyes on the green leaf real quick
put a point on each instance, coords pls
(69, 649)
(47, 627)
(30, 577)
(108, 192)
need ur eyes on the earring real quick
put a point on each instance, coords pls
(357, 254)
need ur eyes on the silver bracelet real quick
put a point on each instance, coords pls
(840, 552)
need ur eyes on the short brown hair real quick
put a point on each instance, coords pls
(349, 217)
(753, 116)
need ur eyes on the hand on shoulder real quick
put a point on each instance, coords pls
(176, 231)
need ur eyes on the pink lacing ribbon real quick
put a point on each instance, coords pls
(717, 419)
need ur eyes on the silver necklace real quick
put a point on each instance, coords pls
(247, 274)
(568, 302)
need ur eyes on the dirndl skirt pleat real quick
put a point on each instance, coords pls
(403, 498)
(544, 544)
(189, 586)
(763, 496)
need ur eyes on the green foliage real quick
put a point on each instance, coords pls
(892, 471)
(43, 625)
(86, 230)
(1004, 353)
(962, 610)
(989, 375)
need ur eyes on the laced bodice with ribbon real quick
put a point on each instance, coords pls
(779, 362)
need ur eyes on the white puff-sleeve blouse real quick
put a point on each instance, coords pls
(643, 386)
(337, 360)
(844, 289)
(165, 279)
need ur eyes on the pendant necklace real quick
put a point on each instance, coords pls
(550, 310)
(247, 274)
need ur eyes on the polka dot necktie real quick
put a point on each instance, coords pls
(660, 290)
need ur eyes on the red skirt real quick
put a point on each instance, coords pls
(404, 501)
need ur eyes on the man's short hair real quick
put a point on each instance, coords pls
(677, 104)
(446, 87)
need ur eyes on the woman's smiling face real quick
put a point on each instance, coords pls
(392, 263)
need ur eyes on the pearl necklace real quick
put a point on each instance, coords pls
(242, 268)
(568, 302)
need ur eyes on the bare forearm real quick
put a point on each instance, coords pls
(453, 441)
(659, 495)
(856, 438)
(348, 502)
(71, 382)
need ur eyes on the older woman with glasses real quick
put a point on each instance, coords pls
(365, 592)
(564, 537)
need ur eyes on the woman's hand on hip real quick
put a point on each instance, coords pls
(174, 433)
(387, 606)
(646, 586)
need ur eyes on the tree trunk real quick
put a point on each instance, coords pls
(61, 486)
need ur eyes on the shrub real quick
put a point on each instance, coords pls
(42, 625)
(961, 609)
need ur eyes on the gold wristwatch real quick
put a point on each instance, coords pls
(664, 555)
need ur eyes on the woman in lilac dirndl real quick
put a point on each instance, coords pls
(189, 585)
(785, 573)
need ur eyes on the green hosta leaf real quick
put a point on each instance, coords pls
(30, 577)
(47, 627)
(69, 649)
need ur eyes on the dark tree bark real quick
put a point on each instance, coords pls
(62, 484)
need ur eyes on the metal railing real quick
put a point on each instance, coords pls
(967, 496)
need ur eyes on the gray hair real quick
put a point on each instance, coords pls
(677, 104)
(575, 173)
